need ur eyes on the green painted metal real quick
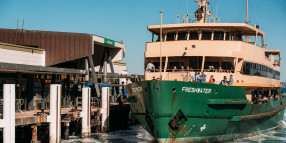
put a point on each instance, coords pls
(109, 42)
(227, 101)
(186, 111)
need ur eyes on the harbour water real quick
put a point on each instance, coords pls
(137, 134)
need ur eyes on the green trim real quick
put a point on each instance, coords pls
(256, 116)
(228, 101)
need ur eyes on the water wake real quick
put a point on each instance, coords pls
(283, 124)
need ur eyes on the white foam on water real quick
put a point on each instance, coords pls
(283, 124)
(78, 139)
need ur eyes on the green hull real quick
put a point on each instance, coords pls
(174, 111)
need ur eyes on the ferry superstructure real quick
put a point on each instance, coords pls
(174, 108)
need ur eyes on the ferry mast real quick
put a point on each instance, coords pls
(201, 13)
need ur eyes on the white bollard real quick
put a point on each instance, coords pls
(85, 114)
(105, 108)
(55, 113)
(8, 121)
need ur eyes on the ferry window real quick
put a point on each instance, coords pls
(193, 64)
(250, 39)
(253, 66)
(194, 35)
(260, 70)
(227, 35)
(259, 41)
(177, 64)
(239, 37)
(157, 65)
(227, 66)
(182, 35)
(206, 35)
(171, 36)
(156, 37)
(218, 35)
(208, 64)
(246, 68)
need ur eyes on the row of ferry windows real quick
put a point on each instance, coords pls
(217, 35)
(194, 35)
(260, 70)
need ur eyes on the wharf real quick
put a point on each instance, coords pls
(34, 117)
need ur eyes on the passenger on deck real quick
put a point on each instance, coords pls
(212, 80)
(194, 77)
(198, 77)
(224, 81)
(137, 79)
(219, 69)
(210, 69)
(150, 66)
(203, 77)
(128, 81)
(255, 99)
(182, 69)
(174, 69)
(132, 78)
(230, 81)
(153, 69)
(187, 69)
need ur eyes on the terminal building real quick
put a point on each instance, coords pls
(33, 60)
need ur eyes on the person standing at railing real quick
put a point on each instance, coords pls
(198, 78)
(212, 80)
(150, 66)
(224, 81)
(174, 69)
(203, 77)
(230, 81)
(187, 69)
(182, 69)
(194, 77)
(137, 79)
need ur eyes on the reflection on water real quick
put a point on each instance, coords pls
(136, 134)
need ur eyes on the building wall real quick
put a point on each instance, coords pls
(22, 57)
(119, 69)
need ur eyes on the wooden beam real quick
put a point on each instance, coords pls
(101, 62)
(91, 65)
(109, 60)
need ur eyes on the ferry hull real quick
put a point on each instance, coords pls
(174, 111)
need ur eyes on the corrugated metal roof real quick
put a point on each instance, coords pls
(59, 46)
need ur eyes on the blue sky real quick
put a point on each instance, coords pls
(127, 20)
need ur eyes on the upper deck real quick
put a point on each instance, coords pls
(235, 48)
(240, 27)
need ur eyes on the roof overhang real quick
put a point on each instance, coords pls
(272, 52)
(7, 67)
(106, 42)
(21, 48)
(241, 26)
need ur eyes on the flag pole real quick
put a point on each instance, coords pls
(160, 44)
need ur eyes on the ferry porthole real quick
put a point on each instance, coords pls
(157, 89)
(174, 89)
(216, 92)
